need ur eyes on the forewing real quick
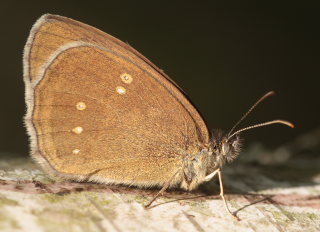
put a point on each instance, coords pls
(98, 113)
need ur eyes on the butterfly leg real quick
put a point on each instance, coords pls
(211, 175)
(222, 195)
(164, 188)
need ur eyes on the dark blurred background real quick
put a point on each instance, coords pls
(224, 55)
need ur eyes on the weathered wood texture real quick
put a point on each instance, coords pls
(283, 194)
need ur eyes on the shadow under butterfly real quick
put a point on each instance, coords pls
(97, 110)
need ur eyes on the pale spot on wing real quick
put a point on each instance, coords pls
(126, 78)
(121, 90)
(81, 106)
(76, 151)
(77, 130)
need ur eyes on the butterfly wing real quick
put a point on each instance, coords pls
(96, 113)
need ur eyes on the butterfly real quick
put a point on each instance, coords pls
(98, 110)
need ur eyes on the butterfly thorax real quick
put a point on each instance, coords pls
(194, 169)
(197, 166)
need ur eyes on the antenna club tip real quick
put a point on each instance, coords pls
(271, 93)
(291, 125)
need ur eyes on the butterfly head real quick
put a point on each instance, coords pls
(224, 148)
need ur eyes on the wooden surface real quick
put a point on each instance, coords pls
(269, 190)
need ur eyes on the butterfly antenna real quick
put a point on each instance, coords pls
(249, 111)
(261, 125)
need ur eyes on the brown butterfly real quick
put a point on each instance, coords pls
(100, 111)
